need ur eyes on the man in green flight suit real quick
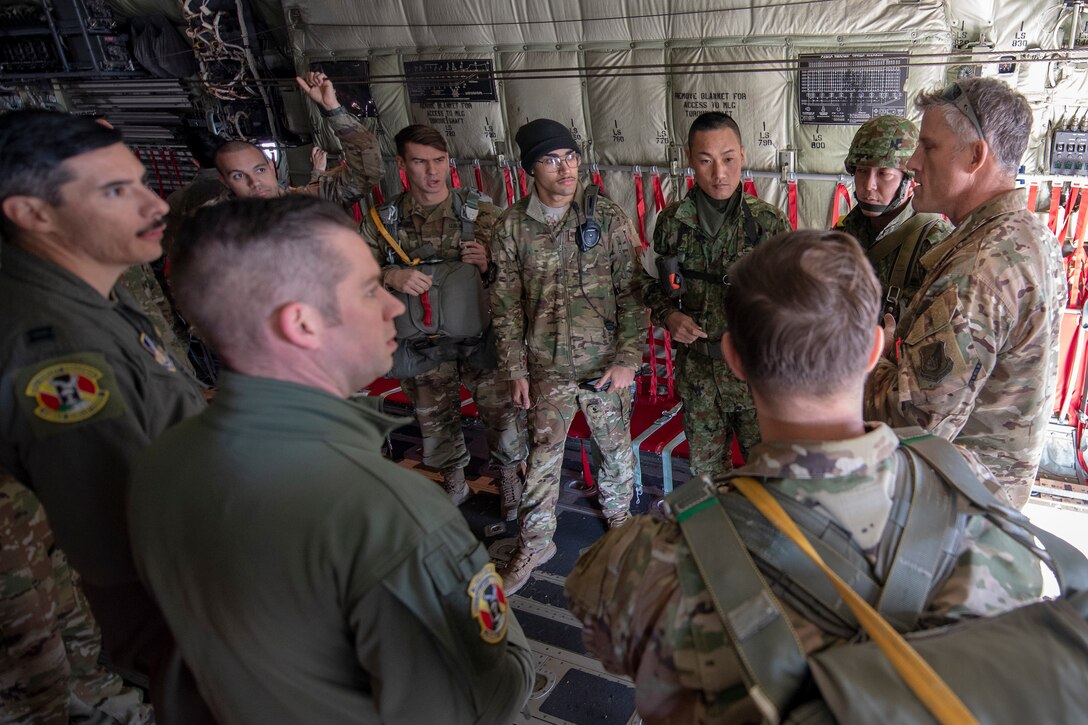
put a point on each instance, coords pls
(893, 235)
(432, 222)
(695, 241)
(309, 579)
(85, 380)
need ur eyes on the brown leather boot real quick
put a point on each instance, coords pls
(512, 488)
(453, 483)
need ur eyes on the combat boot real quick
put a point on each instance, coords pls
(455, 486)
(516, 572)
(617, 520)
(512, 488)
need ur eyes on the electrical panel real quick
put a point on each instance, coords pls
(1069, 153)
(74, 37)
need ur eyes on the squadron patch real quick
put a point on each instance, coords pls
(68, 392)
(489, 605)
(935, 362)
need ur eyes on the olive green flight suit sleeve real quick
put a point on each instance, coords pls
(441, 634)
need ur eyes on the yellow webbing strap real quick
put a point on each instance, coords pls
(389, 238)
(926, 684)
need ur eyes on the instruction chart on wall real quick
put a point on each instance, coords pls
(850, 88)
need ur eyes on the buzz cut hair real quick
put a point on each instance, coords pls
(420, 134)
(802, 309)
(233, 264)
(233, 147)
(712, 121)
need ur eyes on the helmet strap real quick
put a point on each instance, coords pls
(896, 202)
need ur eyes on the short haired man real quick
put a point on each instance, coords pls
(976, 354)
(646, 609)
(309, 579)
(569, 331)
(85, 380)
(893, 235)
(695, 240)
(432, 222)
(247, 172)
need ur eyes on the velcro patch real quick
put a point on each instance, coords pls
(68, 391)
(489, 605)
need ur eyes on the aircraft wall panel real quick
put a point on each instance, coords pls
(844, 18)
(470, 126)
(759, 102)
(530, 97)
(628, 113)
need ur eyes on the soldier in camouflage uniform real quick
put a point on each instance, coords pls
(974, 358)
(892, 234)
(429, 221)
(569, 331)
(646, 609)
(49, 670)
(702, 235)
(246, 171)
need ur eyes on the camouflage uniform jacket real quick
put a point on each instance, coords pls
(362, 170)
(677, 233)
(978, 351)
(438, 229)
(558, 313)
(858, 226)
(647, 613)
(51, 643)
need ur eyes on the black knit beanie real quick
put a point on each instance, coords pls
(538, 137)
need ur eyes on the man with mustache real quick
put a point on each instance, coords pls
(85, 380)
(569, 332)
(317, 582)
(893, 235)
(247, 173)
(695, 241)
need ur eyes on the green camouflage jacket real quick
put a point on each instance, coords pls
(857, 225)
(559, 313)
(978, 351)
(438, 233)
(51, 643)
(647, 613)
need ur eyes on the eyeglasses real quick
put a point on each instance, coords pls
(551, 161)
(955, 95)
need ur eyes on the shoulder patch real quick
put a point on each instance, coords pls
(63, 392)
(489, 605)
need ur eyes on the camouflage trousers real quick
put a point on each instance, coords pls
(554, 404)
(436, 395)
(49, 670)
(712, 416)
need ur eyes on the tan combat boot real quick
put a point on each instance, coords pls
(516, 572)
(453, 483)
(512, 488)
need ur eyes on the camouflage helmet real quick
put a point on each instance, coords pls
(884, 142)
